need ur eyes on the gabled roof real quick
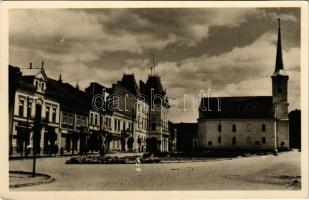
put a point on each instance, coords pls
(68, 96)
(154, 83)
(33, 72)
(129, 82)
(153, 86)
(236, 107)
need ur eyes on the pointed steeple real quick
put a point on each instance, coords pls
(279, 61)
(42, 64)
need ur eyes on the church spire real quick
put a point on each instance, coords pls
(279, 61)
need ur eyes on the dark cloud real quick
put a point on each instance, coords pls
(229, 50)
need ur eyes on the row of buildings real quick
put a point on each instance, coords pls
(131, 117)
(56, 117)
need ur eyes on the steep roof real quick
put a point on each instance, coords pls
(279, 60)
(153, 82)
(129, 82)
(68, 96)
(236, 107)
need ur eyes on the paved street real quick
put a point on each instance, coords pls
(249, 173)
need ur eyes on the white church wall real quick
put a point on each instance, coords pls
(248, 134)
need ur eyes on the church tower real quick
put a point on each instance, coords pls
(280, 97)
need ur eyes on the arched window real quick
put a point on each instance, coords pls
(263, 127)
(219, 140)
(219, 128)
(234, 128)
(234, 141)
(263, 140)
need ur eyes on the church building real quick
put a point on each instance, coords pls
(248, 122)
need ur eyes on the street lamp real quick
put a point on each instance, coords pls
(36, 130)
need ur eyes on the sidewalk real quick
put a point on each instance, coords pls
(118, 154)
(23, 179)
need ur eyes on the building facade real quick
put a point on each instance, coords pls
(254, 122)
(70, 123)
(158, 133)
(32, 102)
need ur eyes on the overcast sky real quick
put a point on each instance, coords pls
(230, 51)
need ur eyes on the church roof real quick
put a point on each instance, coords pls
(250, 107)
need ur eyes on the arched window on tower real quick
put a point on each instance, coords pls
(234, 141)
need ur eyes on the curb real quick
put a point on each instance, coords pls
(49, 179)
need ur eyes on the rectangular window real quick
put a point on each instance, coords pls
(47, 113)
(84, 121)
(219, 140)
(70, 119)
(96, 120)
(124, 125)
(219, 128)
(234, 128)
(78, 121)
(21, 107)
(108, 122)
(91, 118)
(64, 118)
(54, 114)
(116, 125)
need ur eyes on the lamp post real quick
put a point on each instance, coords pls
(36, 132)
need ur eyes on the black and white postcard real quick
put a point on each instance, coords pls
(147, 100)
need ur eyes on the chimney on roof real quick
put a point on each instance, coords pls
(60, 78)
(30, 66)
(77, 86)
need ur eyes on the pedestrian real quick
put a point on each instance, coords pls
(275, 152)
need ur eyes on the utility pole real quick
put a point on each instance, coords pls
(36, 133)
(27, 124)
